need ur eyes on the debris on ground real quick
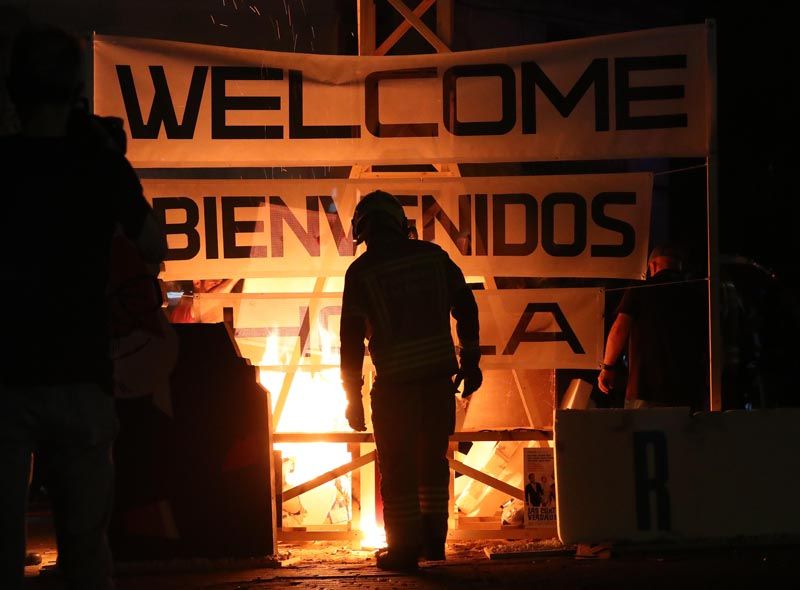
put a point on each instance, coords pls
(593, 551)
(528, 548)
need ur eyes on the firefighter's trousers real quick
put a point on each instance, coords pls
(412, 423)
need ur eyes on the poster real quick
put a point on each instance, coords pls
(540, 490)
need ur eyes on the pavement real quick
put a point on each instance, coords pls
(331, 566)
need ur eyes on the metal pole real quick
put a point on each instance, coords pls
(712, 203)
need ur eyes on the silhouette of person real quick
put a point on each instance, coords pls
(65, 190)
(665, 326)
(401, 293)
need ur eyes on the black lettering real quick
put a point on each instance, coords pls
(344, 242)
(162, 111)
(231, 227)
(500, 246)
(508, 97)
(623, 228)
(372, 118)
(596, 74)
(521, 333)
(210, 221)
(481, 225)
(578, 205)
(297, 130)
(625, 94)
(186, 228)
(651, 479)
(221, 103)
(279, 214)
(432, 211)
(411, 202)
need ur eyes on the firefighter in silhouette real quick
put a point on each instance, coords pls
(399, 295)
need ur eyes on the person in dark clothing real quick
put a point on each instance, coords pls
(534, 493)
(63, 198)
(400, 294)
(665, 324)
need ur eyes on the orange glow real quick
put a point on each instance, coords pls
(316, 402)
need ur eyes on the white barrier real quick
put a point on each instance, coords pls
(665, 475)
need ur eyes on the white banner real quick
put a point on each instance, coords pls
(541, 328)
(534, 226)
(631, 95)
(520, 328)
(666, 475)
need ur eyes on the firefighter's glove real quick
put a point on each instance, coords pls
(355, 408)
(469, 372)
(355, 416)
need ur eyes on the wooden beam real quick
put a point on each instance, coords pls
(294, 536)
(445, 21)
(507, 533)
(366, 27)
(297, 355)
(329, 476)
(487, 479)
(328, 437)
(484, 435)
(355, 494)
(520, 434)
(421, 27)
(403, 28)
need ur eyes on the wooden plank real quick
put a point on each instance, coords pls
(495, 533)
(293, 536)
(297, 353)
(487, 479)
(444, 21)
(329, 476)
(276, 510)
(329, 437)
(452, 513)
(277, 486)
(366, 27)
(403, 28)
(355, 494)
(522, 434)
(495, 555)
(421, 27)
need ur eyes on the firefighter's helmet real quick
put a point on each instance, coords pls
(378, 211)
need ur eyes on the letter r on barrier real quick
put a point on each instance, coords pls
(651, 478)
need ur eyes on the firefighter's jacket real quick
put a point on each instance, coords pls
(399, 295)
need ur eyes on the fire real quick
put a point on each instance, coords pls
(316, 402)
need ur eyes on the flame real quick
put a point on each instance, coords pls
(316, 403)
